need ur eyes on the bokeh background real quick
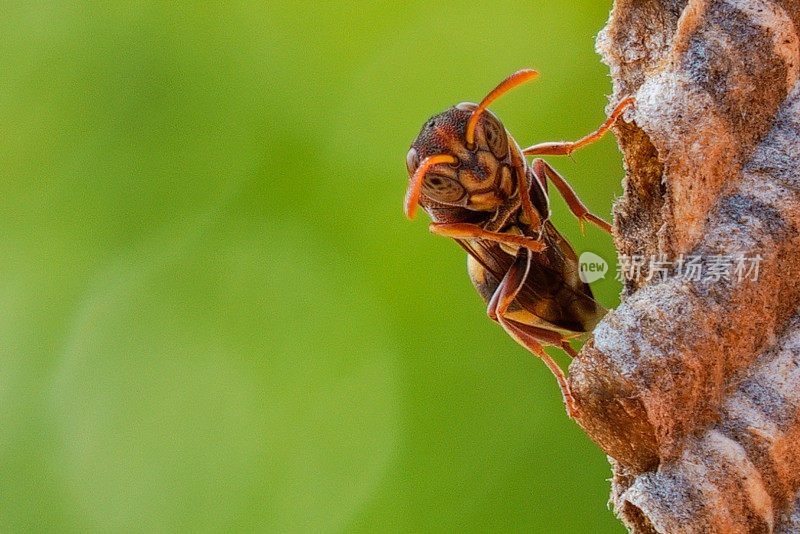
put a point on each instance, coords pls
(213, 314)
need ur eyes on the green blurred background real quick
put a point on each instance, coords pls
(213, 314)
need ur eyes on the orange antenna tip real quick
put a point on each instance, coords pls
(518, 78)
(415, 184)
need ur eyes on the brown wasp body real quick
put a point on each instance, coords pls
(471, 177)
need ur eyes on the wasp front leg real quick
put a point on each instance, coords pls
(528, 336)
(471, 231)
(542, 171)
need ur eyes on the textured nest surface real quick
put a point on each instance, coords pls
(692, 386)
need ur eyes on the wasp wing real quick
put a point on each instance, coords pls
(553, 296)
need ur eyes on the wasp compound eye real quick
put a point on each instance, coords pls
(495, 134)
(442, 189)
(415, 182)
(412, 161)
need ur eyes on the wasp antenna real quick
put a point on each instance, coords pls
(415, 184)
(518, 78)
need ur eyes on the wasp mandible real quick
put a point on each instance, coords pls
(472, 178)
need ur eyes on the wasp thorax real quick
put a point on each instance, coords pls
(479, 177)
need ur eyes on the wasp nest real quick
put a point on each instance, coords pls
(692, 386)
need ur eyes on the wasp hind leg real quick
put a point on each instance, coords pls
(529, 337)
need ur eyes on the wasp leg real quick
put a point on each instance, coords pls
(568, 348)
(528, 336)
(471, 231)
(565, 148)
(542, 170)
(518, 161)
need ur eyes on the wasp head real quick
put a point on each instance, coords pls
(462, 158)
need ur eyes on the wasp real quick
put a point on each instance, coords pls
(472, 178)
